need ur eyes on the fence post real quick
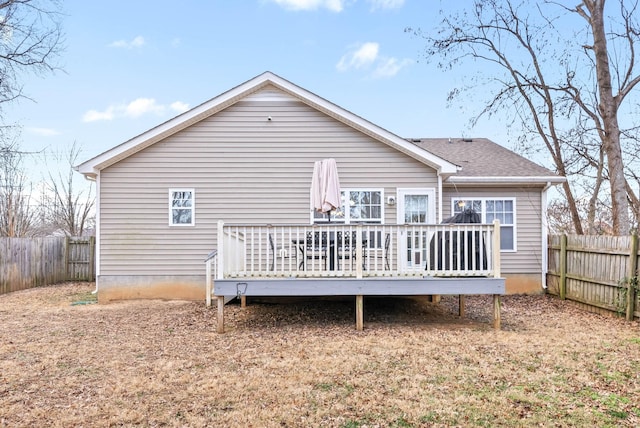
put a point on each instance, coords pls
(92, 258)
(631, 277)
(66, 258)
(563, 267)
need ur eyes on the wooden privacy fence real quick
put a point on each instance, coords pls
(31, 262)
(598, 271)
(80, 257)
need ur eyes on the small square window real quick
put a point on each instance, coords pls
(181, 207)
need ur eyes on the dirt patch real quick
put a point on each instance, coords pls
(302, 363)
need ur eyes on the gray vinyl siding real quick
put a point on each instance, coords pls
(244, 169)
(528, 257)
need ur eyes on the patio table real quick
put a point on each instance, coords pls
(315, 244)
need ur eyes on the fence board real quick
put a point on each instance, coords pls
(597, 271)
(80, 258)
(32, 262)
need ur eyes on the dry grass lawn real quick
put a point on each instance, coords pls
(153, 363)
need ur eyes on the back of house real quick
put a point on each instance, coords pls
(247, 157)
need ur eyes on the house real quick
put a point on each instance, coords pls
(233, 176)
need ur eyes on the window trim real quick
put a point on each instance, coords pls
(483, 200)
(347, 218)
(192, 208)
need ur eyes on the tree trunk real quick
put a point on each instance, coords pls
(609, 112)
(593, 200)
(573, 209)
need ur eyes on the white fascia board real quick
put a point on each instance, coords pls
(506, 180)
(94, 165)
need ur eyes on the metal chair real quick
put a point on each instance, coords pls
(276, 252)
(347, 247)
(315, 248)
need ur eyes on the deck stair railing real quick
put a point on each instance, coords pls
(211, 268)
(360, 250)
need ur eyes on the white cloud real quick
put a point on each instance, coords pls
(94, 115)
(366, 56)
(360, 57)
(43, 132)
(179, 106)
(140, 106)
(134, 109)
(137, 42)
(386, 4)
(389, 67)
(332, 5)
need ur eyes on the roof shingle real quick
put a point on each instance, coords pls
(480, 157)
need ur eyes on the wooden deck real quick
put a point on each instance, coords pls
(353, 287)
(227, 289)
(268, 261)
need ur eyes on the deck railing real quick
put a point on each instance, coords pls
(362, 250)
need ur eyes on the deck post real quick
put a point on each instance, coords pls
(496, 272)
(208, 286)
(359, 252)
(359, 312)
(496, 311)
(495, 247)
(461, 305)
(220, 272)
(220, 317)
(243, 301)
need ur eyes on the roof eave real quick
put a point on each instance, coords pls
(542, 180)
(85, 170)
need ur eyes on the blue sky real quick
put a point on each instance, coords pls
(130, 65)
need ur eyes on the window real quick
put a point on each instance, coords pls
(358, 206)
(181, 207)
(494, 209)
(415, 209)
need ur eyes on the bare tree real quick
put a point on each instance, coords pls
(68, 208)
(17, 217)
(606, 115)
(30, 40)
(559, 83)
(559, 218)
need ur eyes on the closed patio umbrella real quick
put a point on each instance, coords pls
(325, 186)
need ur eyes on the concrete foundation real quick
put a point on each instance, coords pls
(125, 287)
(523, 283)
